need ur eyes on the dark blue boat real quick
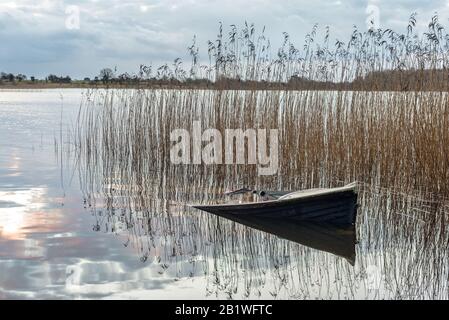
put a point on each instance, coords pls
(336, 206)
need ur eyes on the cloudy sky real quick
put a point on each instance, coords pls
(78, 38)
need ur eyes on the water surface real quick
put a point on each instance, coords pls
(69, 228)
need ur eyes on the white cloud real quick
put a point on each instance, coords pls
(127, 33)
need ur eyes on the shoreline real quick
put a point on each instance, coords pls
(222, 87)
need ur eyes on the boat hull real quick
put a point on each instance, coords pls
(338, 208)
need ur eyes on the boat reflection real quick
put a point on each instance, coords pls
(334, 239)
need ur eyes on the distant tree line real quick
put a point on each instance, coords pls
(394, 80)
(55, 79)
(12, 77)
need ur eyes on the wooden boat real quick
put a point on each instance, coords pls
(337, 240)
(334, 205)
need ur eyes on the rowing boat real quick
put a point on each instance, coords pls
(326, 205)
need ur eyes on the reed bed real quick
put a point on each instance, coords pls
(394, 143)
(389, 139)
(135, 192)
(370, 59)
(395, 139)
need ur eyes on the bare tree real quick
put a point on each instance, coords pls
(106, 75)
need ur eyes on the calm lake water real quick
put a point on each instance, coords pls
(64, 234)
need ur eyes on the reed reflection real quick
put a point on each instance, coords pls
(399, 253)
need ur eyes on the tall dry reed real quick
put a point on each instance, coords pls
(394, 143)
